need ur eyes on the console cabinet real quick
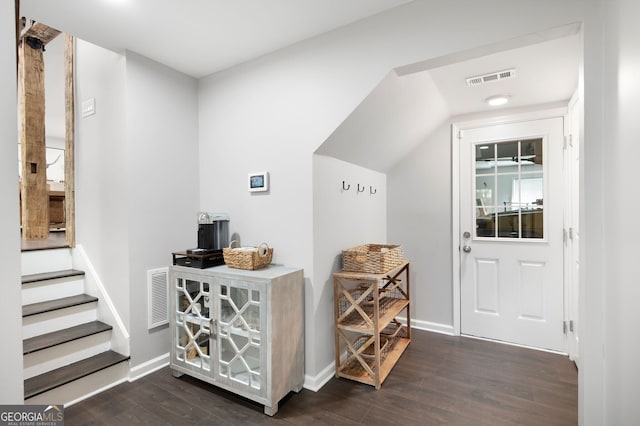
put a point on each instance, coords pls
(240, 330)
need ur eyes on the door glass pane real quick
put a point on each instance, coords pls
(508, 224)
(239, 335)
(532, 223)
(509, 193)
(506, 202)
(485, 194)
(193, 329)
(531, 151)
(507, 153)
(485, 159)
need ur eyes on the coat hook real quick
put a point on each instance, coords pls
(371, 190)
(360, 190)
(347, 188)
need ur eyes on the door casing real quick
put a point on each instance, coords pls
(456, 128)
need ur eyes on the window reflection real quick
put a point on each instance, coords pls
(509, 189)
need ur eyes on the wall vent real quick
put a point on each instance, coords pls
(158, 297)
(488, 78)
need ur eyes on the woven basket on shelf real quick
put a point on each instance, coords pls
(372, 258)
(241, 258)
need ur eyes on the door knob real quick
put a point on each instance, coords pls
(466, 249)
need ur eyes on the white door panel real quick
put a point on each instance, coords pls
(512, 257)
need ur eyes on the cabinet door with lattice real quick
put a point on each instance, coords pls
(192, 321)
(241, 343)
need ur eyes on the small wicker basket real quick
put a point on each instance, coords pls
(372, 258)
(241, 258)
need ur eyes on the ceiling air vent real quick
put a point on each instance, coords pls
(487, 78)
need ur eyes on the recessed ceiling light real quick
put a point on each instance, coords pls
(497, 100)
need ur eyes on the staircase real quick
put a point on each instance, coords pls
(67, 350)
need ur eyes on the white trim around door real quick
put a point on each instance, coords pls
(457, 127)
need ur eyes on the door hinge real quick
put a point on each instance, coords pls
(565, 236)
(571, 326)
(571, 234)
(571, 140)
(460, 134)
(564, 327)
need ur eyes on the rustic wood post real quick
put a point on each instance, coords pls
(69, 146)
(34, 194)
(33, 186)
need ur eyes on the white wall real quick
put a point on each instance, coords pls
(341, 219)
(101, 170)
(12, 391)
(274, 112)
(419, 217)
(136, 179)
(162, 189)
(54, 80)
(611, 149)
(591, 376)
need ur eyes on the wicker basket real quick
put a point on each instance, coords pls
(240, 258)
(372, 258)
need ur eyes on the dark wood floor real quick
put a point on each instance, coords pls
(439, 380)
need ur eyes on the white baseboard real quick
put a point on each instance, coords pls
(148, 367)
(431, 326)
(315, 383)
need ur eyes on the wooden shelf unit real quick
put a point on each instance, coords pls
(366, 306)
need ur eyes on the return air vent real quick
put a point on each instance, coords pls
(488, 78)
(158, 297)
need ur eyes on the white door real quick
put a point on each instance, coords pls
(511, 214)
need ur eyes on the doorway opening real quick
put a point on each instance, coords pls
(46, 136)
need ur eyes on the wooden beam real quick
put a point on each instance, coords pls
(40, 31)
(69, 146)
(34, 194)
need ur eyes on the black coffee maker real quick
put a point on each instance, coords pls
(213, 233)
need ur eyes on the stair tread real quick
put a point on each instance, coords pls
(52, 305)
(31, 278)
(63, 375)
(59, 337)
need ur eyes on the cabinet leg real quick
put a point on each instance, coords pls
(271, 410)
(175, 373)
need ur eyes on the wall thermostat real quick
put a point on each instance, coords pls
(259, 182)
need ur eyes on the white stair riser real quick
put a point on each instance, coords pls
(40, 362)
(39, 261)
(36, 325)
(41, 291)
(84, 388)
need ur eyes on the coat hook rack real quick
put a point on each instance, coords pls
(345, 188)
(360, 190)
(372, 191)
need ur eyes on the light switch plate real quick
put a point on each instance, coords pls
(88, 107)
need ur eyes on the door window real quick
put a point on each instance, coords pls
(509, 189)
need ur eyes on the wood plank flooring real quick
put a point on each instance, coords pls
(438, 380)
